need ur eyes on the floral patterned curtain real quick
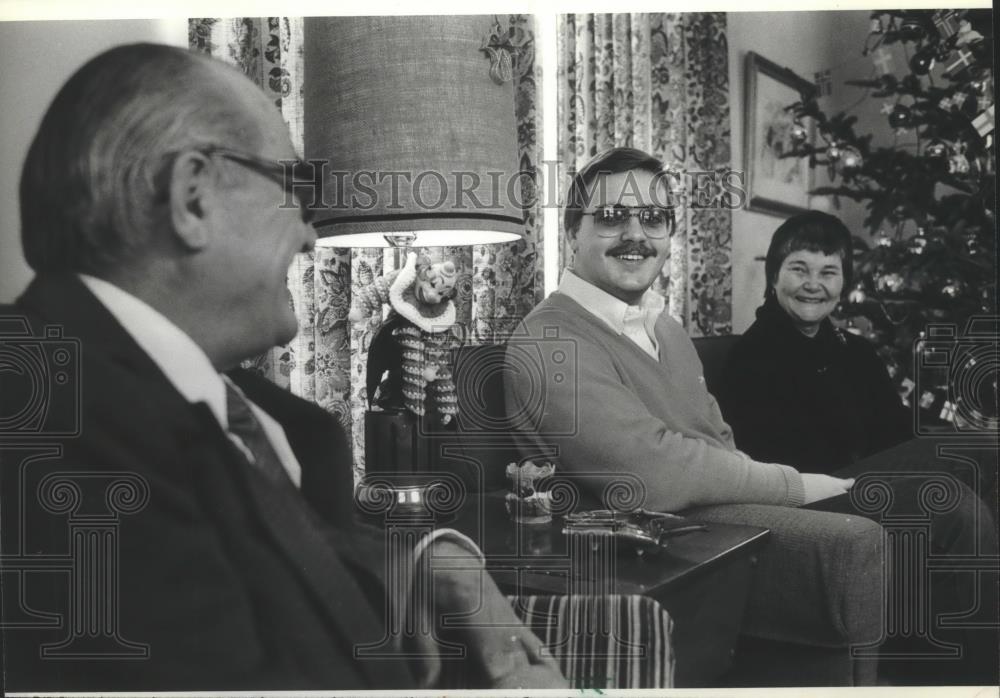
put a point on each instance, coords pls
(660, 83)
(498, 284)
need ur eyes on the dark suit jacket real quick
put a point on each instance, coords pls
(230, 582)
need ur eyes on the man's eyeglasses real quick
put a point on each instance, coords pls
(656, 221)
(290, 174)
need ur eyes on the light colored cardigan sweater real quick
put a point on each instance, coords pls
(601, 406)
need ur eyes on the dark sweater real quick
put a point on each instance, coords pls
(816, 403)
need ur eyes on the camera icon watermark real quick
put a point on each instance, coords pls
(39, 382)
(511, 387)
(956, 373)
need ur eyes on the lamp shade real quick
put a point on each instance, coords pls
(418, 137)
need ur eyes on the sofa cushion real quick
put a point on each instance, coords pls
(714, 353)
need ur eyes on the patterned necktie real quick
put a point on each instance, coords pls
(257, 448)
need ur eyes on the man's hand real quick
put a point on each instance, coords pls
(502, 650)
(819, 487)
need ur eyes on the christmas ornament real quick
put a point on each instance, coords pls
(946, 23)
(883, 239)
(966, 34)
(937, 153)
(883, 61)
(833, 152)
(948, 411)
(937, 150)
(911, 29)
(922, 62)
(850, 160)
(960, 101)
(799, 134)
(927, 399)
(972, 246)
(917, 243)
(980, 86)
(985, 123)
(952, 289)
(905, 388)
(963, 61)
(889, 282)
(824, 83)
(901, 117)
(958, 164)
(857, 294)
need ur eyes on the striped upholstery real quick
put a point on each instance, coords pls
(604, 641)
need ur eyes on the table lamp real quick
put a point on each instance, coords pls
(413, 118)
(415, 122)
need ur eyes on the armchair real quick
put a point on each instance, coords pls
(599, 660)
(570, 628)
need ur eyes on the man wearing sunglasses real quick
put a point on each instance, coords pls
(154, 215)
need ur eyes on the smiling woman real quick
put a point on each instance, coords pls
(797, 390)
(808, 288)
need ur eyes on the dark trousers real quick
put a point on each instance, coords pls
(936, 501)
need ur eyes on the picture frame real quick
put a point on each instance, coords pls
(776, 185)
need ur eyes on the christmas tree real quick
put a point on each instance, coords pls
(930, 256)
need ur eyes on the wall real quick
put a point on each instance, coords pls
(806, 42)
(39, 57)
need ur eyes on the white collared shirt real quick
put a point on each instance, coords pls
(637, 322)
(185, 364)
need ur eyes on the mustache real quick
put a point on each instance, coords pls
(631, 247)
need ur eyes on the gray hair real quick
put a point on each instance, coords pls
(94, 187)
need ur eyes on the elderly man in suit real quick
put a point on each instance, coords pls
(154, 215)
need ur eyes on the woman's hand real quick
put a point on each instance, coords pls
(819, 486)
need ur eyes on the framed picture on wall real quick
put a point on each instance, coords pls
(775, 184)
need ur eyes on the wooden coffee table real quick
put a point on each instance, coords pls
(703, 579)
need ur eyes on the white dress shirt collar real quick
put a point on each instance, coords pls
(615, 313)
(182, 361)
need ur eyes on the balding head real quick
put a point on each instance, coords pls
(93, 188)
